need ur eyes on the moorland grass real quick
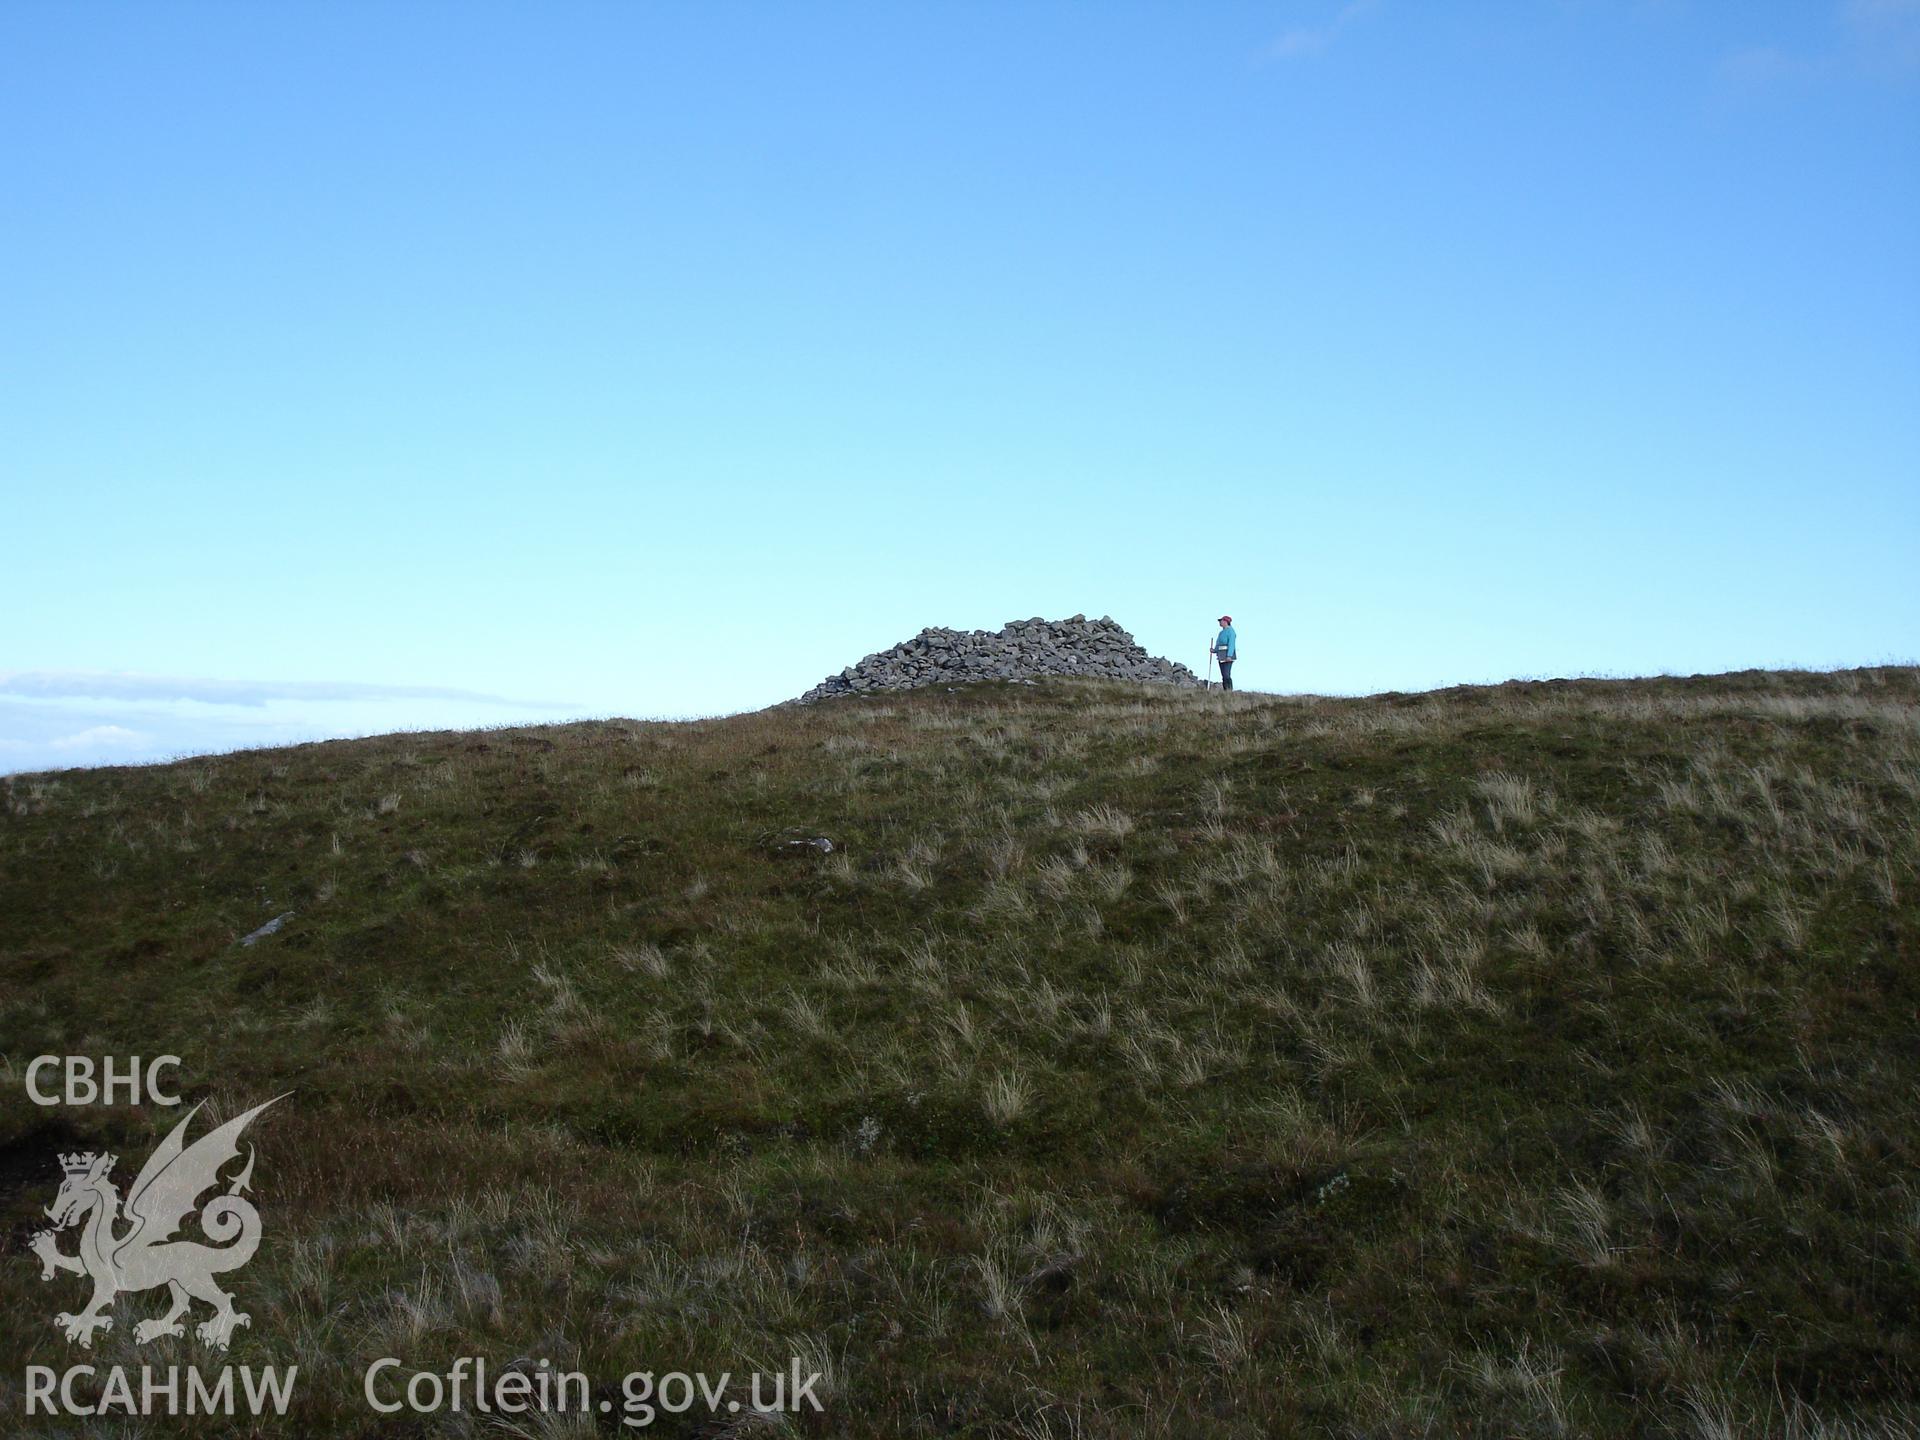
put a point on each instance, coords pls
(1537, 1059)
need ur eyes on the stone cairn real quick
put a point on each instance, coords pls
(1021, 650)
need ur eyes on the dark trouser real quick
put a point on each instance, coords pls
(1226, 674)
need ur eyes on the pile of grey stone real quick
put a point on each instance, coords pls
(1020, 650)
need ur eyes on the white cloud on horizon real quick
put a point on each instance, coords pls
(100, 737)
(58, 719)
(128, 685)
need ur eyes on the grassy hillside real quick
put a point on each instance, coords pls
(1534, 1060)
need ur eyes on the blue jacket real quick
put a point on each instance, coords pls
(1226, 645)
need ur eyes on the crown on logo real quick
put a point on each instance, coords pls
(81, 1162)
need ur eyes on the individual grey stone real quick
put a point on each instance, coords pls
(267, 929)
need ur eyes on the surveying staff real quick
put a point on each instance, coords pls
(1226, 649)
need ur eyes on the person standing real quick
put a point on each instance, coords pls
(1226, 649)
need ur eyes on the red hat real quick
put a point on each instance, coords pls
(1226, 619)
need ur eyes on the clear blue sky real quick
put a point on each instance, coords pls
(660, 359)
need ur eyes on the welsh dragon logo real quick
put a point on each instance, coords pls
(144, 1255)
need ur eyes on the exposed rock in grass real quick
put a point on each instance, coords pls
(267, 929)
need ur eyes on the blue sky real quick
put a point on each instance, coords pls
(369, 367)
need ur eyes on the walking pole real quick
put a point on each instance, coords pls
(1209, 665)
